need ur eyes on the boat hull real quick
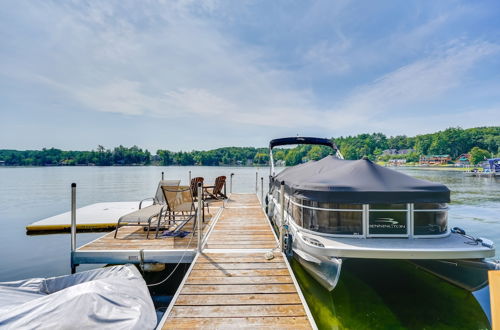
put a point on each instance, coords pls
(471, 275)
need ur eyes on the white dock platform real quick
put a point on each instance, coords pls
(97, 216)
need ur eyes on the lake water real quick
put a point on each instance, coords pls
(31, 194)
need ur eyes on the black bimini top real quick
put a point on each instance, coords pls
(359, 182)
(301, 140)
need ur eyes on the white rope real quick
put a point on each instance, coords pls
(176, 266)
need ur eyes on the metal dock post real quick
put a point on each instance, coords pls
(73, 225)
(282, 205)
(199, 216)
(262, 191)
(256, 180)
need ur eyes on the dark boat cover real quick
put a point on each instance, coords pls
(357, 182)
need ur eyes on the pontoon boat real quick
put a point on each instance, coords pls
(333, 209)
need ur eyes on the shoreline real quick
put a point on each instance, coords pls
(425, 168)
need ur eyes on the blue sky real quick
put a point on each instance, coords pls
(184, 75)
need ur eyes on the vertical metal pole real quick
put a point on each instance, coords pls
(73, 225)
(162, 176)
(231, 183)
(199, 215)
(282, 205)
(189, 177)
(256, 180)
(262, 191)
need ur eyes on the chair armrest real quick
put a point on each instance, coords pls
(145, 199)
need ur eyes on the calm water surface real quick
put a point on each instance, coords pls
(369, 295)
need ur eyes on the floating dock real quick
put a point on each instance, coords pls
(99, 216)
(240, 279)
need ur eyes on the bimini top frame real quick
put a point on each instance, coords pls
(301, 140)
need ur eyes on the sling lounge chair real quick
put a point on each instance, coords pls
(144, 215)
(215, 191)
(180, 208)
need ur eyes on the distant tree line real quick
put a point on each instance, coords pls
(99, 157)
(452, 141)
(221, 156)
(480, 142)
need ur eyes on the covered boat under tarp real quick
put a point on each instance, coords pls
(358, 182)
(106, 298)
(333, 209)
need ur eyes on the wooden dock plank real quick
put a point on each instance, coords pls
(238, 310)
(232, 289)
(239, 272)
(248, 246)
(214, 258)
(247, 265)
(238, 299)
(240, 280)
(240, 323)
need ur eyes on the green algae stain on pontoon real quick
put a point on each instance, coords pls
(389, 294)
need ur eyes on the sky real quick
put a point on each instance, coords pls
(184, 75)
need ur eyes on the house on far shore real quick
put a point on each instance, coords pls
(280, 162)
(397, 152)
(463, 160)
(397, 162)
(434, 159)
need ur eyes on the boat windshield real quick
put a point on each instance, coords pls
(371, 220)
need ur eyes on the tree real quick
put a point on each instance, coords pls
(261, 158)
(477, 155)
(293, 157)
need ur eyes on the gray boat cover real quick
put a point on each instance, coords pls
(106, 298)
(357, 182)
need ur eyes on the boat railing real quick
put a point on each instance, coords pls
(368, 229)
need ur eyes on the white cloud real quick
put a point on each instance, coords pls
(166, 60)
(330, 56)
(418, 83)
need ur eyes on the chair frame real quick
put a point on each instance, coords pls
(171, 212)
(220, 181)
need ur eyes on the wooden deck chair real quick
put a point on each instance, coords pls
(194, 191)
(180, 207)
(217, 189)
(194, 185)
(144, 215)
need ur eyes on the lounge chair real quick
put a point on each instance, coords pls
(144, 215)
(180, 208)
(216, 191)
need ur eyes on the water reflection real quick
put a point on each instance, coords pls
(389, 294)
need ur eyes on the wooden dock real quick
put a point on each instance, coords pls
(232, 284)
(131, 245)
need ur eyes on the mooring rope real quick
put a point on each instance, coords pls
(176, 266)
